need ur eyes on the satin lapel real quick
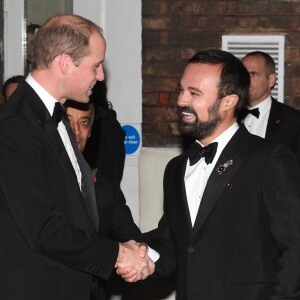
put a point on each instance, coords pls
(37, 112)
(55, 139)
(180, 192)
(88, 186)
(275, 121)
(218, 182)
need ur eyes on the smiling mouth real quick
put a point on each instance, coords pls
(91, 87)
(188, 117)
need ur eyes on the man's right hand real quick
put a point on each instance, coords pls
(133, 262)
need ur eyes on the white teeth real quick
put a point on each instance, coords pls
(187, 114)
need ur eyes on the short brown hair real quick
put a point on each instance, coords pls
(60, 34)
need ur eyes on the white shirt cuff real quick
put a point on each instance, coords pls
(153, 254)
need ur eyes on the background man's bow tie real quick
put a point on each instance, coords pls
(197, 151)
(57, 113)
(254, 112)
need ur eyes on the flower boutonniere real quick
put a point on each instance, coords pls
(277, 121)
(94, 171)
(222, 168)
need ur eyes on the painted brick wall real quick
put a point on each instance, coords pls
(173, 30)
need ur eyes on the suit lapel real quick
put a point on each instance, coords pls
(185, 203)
(88, 186)
(180, 191)
(227, 165)
(274, 122)
(38, 113)
(55, 139)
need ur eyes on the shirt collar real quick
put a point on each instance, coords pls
(47, 99)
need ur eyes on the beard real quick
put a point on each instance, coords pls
(198, 129)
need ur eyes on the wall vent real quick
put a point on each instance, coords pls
(240, 45)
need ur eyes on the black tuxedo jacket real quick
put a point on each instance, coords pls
(245, 243)
(284, 126)
(48, 246)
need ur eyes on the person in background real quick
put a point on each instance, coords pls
(10, 86)
(265, 116)
(105, 150)
(50, 227)
(80, 116)
(112, 208)
(232, 201)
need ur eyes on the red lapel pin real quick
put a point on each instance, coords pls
(229, 185)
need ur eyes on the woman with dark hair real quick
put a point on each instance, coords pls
(105, 149)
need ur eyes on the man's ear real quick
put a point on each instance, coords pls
(229, 102)
(272, 80)
(64, 61)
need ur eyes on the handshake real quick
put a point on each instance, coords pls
(133, 262)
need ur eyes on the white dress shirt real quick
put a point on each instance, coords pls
(258, 126)
(49, 102)
(196, 176)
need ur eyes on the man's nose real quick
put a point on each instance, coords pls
(182, 99)
(100, 73)
(76, 128)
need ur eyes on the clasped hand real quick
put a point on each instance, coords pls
(133, 262)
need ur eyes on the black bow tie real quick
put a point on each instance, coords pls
(254, 112)
(57, 113)
(197, 151)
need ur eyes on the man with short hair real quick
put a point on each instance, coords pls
(265, 116)
(51, 239)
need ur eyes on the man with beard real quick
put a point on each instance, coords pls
(232, 201)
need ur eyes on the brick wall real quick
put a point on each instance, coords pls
(173, 30)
